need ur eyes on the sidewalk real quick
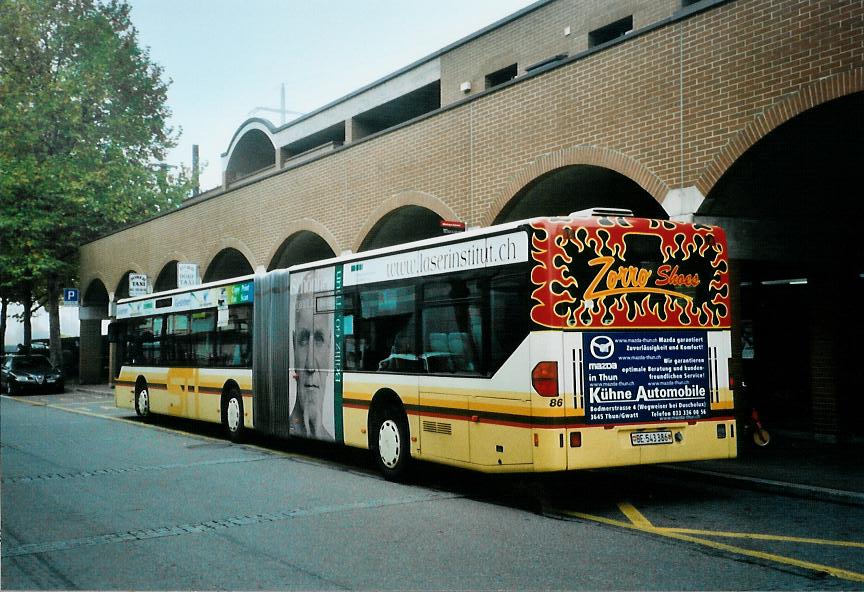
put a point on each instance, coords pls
(93, 389)
(790, 466)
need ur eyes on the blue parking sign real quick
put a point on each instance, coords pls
(70, 296)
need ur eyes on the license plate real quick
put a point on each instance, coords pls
(647, 438)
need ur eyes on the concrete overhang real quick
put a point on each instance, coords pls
(256, 123)
(340, 111)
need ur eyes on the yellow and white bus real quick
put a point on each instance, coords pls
(592, 340)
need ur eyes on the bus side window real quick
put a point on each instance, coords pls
(203, 335)
(383, 327)
(133, 353)
(452, 324)
(177, 346)
(234, 342)
(151, 341)
(508, 325)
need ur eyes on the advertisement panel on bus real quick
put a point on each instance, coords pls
(616, 272)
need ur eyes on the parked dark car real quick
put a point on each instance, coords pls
(25, 373)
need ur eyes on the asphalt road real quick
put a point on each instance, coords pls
(93, 499)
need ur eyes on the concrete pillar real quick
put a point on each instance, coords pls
(681, 204)
(90, 363)
(354, 130)
(735, 366)
(113, 370)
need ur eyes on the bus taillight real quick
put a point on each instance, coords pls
(544, 379)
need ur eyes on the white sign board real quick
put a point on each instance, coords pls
(187, 275)
(492, 251)
(138, 285)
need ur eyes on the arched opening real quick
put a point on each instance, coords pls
(577, 187)
(167, 278)
(228, 263)
(301, 247)
(790, 206)
(403, 225)
(253, 152)
(96, 296)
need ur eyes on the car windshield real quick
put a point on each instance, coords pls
(32, 364)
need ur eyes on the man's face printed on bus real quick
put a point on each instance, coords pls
(312, 357)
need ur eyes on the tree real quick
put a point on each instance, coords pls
(83, 126)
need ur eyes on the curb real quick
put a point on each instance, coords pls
(94, 391)
(799, 490)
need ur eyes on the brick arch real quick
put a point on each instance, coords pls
(95, 277)
(228, 243)
(131, 267)
(175, 257)
(309, 225)
(578, 155)
(172, 256)
(402, 199)
(808, 97)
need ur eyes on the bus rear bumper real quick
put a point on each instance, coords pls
(613, 446)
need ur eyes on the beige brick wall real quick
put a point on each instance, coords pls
(671, 108)
(540, 35)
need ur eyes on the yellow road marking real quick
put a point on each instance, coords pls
(634, 515)
(764, 537)
(642, 524)
(637, 518)
(17, 400)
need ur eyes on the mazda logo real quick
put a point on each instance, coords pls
(602, 347)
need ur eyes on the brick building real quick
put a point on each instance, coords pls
(744, 113)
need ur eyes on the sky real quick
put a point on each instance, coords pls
(226, 58)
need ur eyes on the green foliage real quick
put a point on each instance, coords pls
(83, 124)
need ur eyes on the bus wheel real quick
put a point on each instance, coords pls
(232, 415)
(391, 448)
(761, 437)
(142, 401)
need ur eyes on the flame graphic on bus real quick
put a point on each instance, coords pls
(628, 272)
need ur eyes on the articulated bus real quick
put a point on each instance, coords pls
(593, 340)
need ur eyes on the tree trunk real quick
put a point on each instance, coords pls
(53, 306)
(27, 303)
(4, 304)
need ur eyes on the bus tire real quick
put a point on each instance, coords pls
(142, 400)
(232, 414)
(761, 437)
(391, 449)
